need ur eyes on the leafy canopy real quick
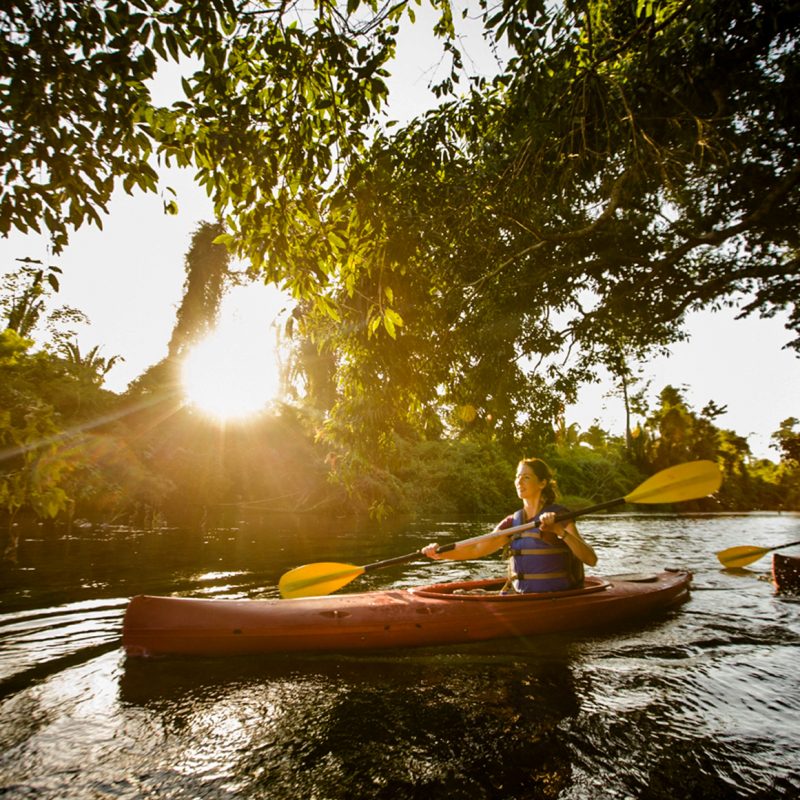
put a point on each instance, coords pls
(279, 100)
(632, 161)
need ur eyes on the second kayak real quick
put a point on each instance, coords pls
(786, 573)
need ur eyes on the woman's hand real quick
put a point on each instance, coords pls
(551, 532)
(430, 551)
(546, 520)
(554, 532)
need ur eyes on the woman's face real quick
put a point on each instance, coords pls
(527, 483)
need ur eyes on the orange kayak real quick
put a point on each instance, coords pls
(441, 614)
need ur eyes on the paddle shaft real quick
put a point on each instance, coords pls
(781, 546)
(345, 573)
(560, 517)
(446, 548)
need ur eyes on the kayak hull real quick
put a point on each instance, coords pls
(441, 614)
(786, 573)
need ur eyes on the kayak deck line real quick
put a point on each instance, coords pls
(432, 615)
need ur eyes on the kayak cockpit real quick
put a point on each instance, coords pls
(490, 590)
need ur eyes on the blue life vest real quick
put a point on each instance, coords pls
(536, 566)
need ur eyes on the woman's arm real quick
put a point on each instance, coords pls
(568, 533)
(477, 550)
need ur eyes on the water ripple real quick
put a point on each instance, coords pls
(40, 642)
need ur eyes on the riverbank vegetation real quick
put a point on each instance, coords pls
(455, 279)
(73, 450)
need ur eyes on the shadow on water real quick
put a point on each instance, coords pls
(390, 726)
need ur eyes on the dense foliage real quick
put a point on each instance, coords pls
(70, 449)
(634, 161)
(277, 99)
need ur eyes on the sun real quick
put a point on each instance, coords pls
(228, 377)
(235, 372)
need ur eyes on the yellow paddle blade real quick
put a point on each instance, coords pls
(313, 580)
(682, 482)
(735, 557)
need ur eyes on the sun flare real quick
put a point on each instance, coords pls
(234, 372)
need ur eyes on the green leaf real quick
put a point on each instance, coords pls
(228, 24)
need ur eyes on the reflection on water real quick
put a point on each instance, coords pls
(699, 703)
(394, 726)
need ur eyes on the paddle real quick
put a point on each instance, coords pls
(735, 557)
(672, 485)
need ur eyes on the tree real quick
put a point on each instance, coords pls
(24, 302)
(25, 294)
(787, 441)
(90, 368)
(207, 277)
(634, 161)
(207, 273)
(630, 162)
(50, 400)
(31, 469)
(679, 434)
(620, 358)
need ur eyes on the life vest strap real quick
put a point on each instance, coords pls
(540, 576)
(544, 551)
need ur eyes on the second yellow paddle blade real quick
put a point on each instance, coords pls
(314, 580)
(681, 482)
(735, 557)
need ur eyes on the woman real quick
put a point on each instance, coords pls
(550, 556)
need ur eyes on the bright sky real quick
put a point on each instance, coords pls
(128, 280)
(737, 363)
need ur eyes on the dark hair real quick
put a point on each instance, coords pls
(543, 473)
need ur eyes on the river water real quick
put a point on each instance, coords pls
(702, 702)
